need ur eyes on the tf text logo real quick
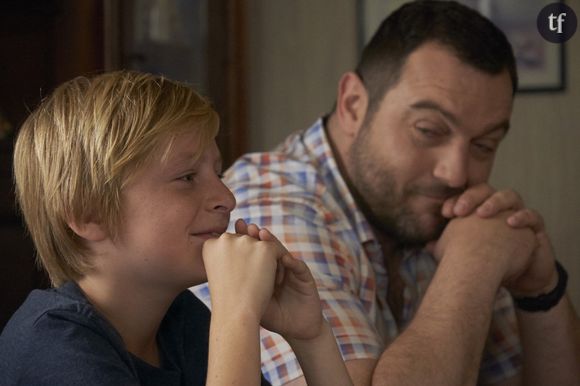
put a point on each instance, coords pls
(560, 21)
(557, 22)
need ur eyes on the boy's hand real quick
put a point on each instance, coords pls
(241, 272)
(294, 310)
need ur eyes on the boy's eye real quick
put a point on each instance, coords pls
(187, 177)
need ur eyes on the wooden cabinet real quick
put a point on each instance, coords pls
(40, 49)
(45, 42)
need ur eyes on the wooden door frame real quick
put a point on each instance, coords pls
(226, 47)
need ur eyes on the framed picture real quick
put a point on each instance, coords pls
(541, 64)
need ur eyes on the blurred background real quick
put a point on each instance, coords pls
(272, 67)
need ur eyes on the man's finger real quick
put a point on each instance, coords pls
(472, 198)
(447, 208)
(527, 218)
(500, 201)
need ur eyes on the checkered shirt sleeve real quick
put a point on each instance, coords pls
(344, 279)
(298, 194)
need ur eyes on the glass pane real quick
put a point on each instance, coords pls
(168, 37)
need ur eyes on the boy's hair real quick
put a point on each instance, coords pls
(473, 38)
(77, 150)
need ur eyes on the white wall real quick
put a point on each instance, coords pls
(540, 158)
(299, 49)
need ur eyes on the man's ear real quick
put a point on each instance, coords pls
(351, 104)
(88, 230)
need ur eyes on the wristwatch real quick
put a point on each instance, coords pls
(544, 302)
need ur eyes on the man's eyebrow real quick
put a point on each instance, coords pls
(504, 126)
(432, 105)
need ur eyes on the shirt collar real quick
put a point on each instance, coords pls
(317, 143)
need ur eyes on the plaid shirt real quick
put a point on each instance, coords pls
(298, 193)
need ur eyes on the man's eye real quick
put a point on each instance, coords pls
(484, 149)
(429, 133)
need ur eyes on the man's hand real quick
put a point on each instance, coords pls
(488, 244)
(483, 200)
(486, 202)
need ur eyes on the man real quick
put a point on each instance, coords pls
(362, 195)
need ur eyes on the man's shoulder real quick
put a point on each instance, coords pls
(299, 161)
(275, 166)
(276, 178)
(296, 185)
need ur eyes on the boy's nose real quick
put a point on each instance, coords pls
(223, 198)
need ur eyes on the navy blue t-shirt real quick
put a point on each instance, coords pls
(58, 338)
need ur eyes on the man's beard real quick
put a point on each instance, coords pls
(388, 210)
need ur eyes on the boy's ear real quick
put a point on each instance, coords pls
(351, 103)
(88, 230)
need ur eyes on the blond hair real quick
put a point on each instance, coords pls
(76, 151)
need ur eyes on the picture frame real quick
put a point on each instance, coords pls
(541, 64)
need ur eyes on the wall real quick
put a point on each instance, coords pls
(299, 49)
(540, 158)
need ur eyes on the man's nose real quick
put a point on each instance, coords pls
(452, 165)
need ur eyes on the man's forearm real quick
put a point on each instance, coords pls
(551, 344)
(444, 343)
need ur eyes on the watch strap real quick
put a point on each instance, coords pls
(545, 302)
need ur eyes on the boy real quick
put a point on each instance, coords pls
(118, 179)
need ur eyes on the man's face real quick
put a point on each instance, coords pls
(434, 134)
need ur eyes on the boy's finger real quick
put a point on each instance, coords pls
(298, 268)
(253, 231)
(241, 227)
(279, 274)
(266, 235)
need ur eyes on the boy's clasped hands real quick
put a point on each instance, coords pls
(254, 281)
(251, 273)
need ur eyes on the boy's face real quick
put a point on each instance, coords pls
(169, 209)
